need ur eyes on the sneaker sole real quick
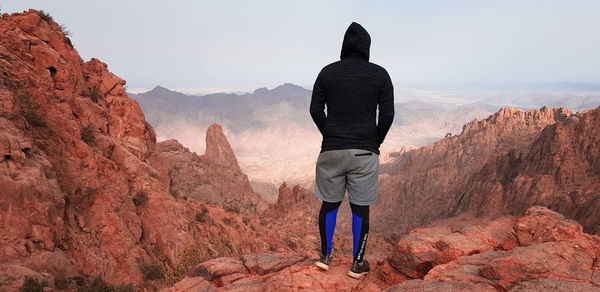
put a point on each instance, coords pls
(322, 266)
(355, 275)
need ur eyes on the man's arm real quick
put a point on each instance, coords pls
(386, 109)
(317, 104)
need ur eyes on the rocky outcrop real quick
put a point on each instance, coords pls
(540, 249)
(502, 165)
(218, 149)
(422, 249)
(214, 177)
(284, 272)
(560, 170)
(296, 198)
(83, 190)
(75, 151)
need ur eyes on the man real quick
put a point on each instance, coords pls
(352, 89)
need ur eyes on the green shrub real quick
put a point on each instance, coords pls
(232, 208)
(45, 15)
(61, 281)
(27, 108)
(189, 259)
(97, 285)
(152, 272)
(140, 198)
(32, 285)
(79, 280)
(202, 216)
(92, 92)
(64, 29)
(34, 119)
(87, 134)
(67, 41)
(124, 288)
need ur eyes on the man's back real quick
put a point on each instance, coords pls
(352, 89)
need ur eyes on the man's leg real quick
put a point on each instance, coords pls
(327, 218)
(360, 230)
(330, 186)
(362, 192)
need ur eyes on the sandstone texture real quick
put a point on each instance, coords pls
(84, 191)
(560, 170)
(213, 178)
(540, 250)
(499, 166)
(285, 272)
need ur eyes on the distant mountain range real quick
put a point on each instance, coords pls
(234, 111)
(275, 139)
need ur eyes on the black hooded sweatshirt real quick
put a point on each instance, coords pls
(353, 89)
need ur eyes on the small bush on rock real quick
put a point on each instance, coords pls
(124, 288)
(61, 281)
(32, 285)
(45, 16)
(140, 198)
(87, 134)
(27, 108)
(152, 272)
(92, 92)
(202, 216)
(189, 259)
(97, 285)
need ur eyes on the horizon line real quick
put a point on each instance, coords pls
(240, 90)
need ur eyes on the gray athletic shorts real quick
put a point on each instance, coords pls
(355, 170)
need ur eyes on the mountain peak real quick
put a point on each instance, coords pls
(218, 148)
(159, 88)
(289, 86)
(260, 90)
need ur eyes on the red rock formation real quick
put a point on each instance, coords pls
(214, 177)
(283, 272)
(561, 170)
(422, 185)
(75, 150)
(218, 148)
(83, 191)
(539, 250)
(296, 199)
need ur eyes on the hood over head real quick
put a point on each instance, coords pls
(357, 42)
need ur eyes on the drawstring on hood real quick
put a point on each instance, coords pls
(357, 42)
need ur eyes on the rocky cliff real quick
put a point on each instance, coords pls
(494, 167)
(541, 251)
(214, 177)
(84, 191)
(560, 170)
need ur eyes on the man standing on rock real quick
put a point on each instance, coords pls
(352, 89)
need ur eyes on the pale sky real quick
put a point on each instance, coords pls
(242, 45)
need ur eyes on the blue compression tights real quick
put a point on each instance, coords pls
(360, 227)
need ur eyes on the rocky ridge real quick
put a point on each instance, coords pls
(214, 177)
(491, 165)
(560, 170)
(78, 158)
(541, 250)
